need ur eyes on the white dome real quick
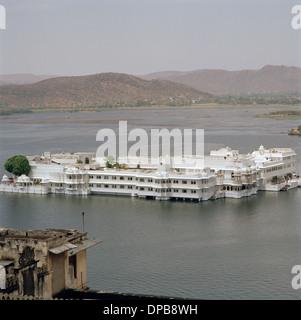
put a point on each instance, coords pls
(204, 174)
(5, 178)
(72, 170)
(23, 178)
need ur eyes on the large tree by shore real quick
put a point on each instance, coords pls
(17, 165)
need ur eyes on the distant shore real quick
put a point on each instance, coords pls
(14, 111)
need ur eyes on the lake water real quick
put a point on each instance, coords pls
(223, 249)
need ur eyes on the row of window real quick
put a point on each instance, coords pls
(114, 186)
(70, 186)
(163, 190)
(108, 177)
(273, 169)
(204, 181)
(77, 176)
(231, 188)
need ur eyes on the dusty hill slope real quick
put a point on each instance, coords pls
(96, 90)
(269, 79)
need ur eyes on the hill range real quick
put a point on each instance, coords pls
(268, 80)
(104, 89)
(161, 88)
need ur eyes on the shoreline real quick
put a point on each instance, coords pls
(155, 107)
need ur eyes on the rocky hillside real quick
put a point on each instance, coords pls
(105, 89)
(268, 80)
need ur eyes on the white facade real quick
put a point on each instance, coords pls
(275, 162)
(226, 174)
(158, 184)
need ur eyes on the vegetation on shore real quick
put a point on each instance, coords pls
(4, 111)
(283, 114)
(260, 99)
(17, 165)
(293, 115)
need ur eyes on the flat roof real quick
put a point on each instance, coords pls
(46, 234)
(85, 244)
(60, 249)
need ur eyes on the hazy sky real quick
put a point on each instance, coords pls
(77, 37)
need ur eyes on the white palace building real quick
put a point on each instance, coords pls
(226, 173)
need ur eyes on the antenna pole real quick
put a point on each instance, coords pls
(83, 215)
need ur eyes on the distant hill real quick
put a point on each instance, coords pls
(268, 80)
(161, 75)
(102, 89)
(165, 74)
(22, 78)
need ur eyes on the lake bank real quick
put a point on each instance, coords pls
(12, 111)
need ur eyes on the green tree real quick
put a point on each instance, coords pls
(299, 128)
(116, 165)
(275, 180)
(109, 165)
(17, 165)
(110, 161)
(288, 176)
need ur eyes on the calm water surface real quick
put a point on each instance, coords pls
(224, 249)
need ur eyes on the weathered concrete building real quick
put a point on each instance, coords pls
(43, 263)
